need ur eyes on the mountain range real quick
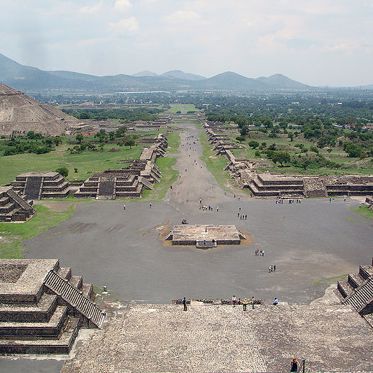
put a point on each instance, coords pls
(31, 79)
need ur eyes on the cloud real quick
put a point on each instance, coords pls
(183, 16)
(91, 9)
(129, 24)
(122, 5)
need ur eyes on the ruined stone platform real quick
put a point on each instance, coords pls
(164, 338)
(205, 235)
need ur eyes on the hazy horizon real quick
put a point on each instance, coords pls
(322, 43)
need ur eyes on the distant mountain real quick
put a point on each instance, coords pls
(178, 74)
(231, 81)
(282, 82)
(145, 73)
(31, 79)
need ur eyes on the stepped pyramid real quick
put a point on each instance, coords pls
(13, 207)
(38, 185)
(20, 113)
(43, 306)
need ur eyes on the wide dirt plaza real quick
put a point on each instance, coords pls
(313, 244)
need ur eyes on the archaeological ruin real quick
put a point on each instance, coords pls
(43, 306)
(13, 206)
(39, 185)
(205, 236)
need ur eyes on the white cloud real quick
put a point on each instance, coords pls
(183, 16)
(122, 5)
(129, 24)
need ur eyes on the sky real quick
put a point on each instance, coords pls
(318, 42)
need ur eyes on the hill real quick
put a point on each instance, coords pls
(21, 113)
(31, 79)
(178, 74)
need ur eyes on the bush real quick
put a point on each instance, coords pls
(253, 144)
(63, 171)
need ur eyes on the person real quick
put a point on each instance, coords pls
(275, 302)
(124, 207)
(217, 209)
(234, 301)
(185, 304)
(274, 268)
(252, 302)
(269, 269)
(244, 304)
(150, 205)
(294, 365)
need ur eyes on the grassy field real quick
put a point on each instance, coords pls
(364, 211)
(12, 235)
(183, 108)
(86, 162)
(214, 163)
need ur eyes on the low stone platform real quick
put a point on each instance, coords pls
(205, 236)
(164, 338)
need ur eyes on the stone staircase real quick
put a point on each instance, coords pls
(75, 298)
(33, 187)
(13, 207)
(106, 187)
(357, 290)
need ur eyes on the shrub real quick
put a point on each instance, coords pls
(63, 171)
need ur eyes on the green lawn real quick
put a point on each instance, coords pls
(12, 235)
(183, 108)
(87, 162)
(173, 139)
(364, 211)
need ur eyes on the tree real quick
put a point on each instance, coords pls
(253, 144)
(63, 171)
(353, 150)
(280, 157)
(79, 138)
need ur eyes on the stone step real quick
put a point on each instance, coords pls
(345, 288)
(51, 328)
(65, 272)
(40, 312)
(76, 281)
(60, 345)
(355, 280)
(366, 271)
(87, 290)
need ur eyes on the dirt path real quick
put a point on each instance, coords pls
(195, 182)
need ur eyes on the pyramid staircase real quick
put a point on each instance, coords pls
(357, 291)
(13, 207)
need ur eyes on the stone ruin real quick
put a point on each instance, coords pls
(43, 306)
(357, 291)
(129, 181)
(13, 206)
(39, 185)
(205, 236)
(269, 185)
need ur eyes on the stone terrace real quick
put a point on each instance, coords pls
(42, 307)
(163, 338)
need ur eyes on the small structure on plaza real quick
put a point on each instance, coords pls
(13, 206)
(38, 185)
(205, 236)
(357, 291)
(43, 306)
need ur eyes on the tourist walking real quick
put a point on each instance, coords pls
(274, 268)
(124, 207)
(275, 302)
(185, 304)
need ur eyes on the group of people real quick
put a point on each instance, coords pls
(259, 252)
(272, 268)
(290, 201)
